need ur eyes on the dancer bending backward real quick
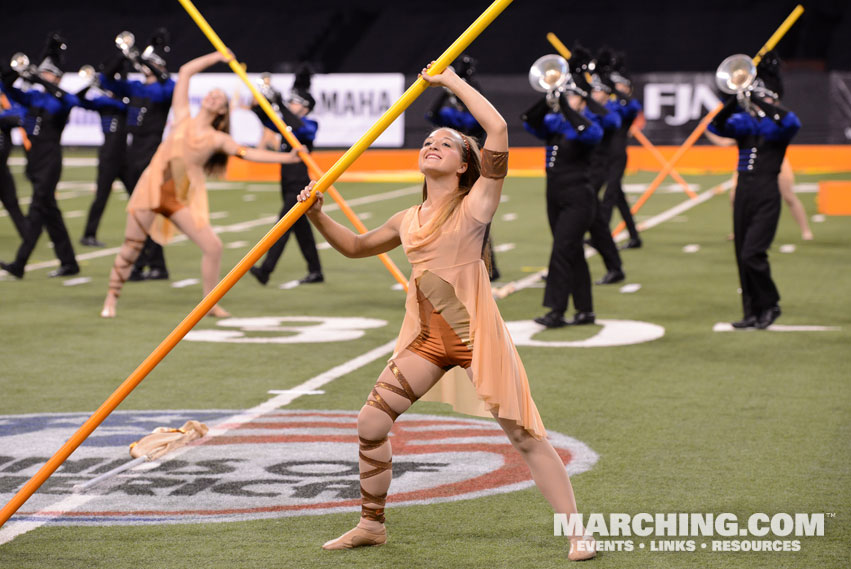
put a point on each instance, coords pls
(171, 191)
(451, 318)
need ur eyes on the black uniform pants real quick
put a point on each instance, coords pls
(9, 199)
(570, 212)
(44, 167)
(301, 228)
(139, 155)
(602, 241)
(613, 196)
(111, 166)
(756, 212)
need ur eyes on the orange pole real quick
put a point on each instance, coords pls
(666, 169)
(643, 140)
(25, 140)
(161, 351)
(692, 138)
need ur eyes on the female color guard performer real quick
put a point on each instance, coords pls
(171, 191)
(451, 317)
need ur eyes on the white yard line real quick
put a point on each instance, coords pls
(13, 529)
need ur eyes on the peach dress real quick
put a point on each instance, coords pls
(447, 267)
(181, 157)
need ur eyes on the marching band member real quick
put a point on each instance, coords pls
(294, 176)
(47, 113)
(762, 130)
(562, 121)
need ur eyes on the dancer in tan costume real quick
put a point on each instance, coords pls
(172, 192)
(451, 317)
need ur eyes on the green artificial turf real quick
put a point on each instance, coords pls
(696, 421)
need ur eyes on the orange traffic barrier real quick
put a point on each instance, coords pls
(834, 197)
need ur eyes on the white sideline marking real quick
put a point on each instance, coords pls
(219, 214)
(788, 248)
(503, 247)
(509, 217)
(76, 281)
(288, 285)
(234, 228)
(397, 286)
(236, 244)
(184, 283)
(74, 214)
(630, 288)
(249, 198)
(727, 327)
(299, 391)
(13, 529)
(818, 218)
(322, 246)
(527, 282)
(691, 248)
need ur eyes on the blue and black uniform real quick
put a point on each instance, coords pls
(112, 156)
(613, 196)
(45, 119)
(570, 139)
(609, 120)
(147, 113)
(9, 119)
(762, 145)
(294, 177)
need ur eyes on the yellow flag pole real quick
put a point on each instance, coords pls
(692, 138)
(315, 170)
(560, 47)
(246, 263)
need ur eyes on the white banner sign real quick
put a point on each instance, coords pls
(346, 106)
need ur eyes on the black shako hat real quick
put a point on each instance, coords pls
(300, 92)
(53, 54)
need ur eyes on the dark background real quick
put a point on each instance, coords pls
(401, 35)
(350, 36)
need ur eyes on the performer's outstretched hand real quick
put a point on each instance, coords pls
(446, 78)
(304, 195)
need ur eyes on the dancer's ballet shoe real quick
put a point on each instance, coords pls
(218, 312)
(357, 537)
(108, 309)
(582, 549)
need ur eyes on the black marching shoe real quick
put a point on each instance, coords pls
(612, 277)
(314, 277)
(156, 275)
(746, 322)
(633, 243)
(259, 274)
(767, 318)
(136, 275)
(64, 271)
(581, 318)
(12, 269)
(91, 241)
(552, 319)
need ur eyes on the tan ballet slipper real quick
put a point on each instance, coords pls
(218, 312)
(109, 305)
(357, 537)
(582, 548)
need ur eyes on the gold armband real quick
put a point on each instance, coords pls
(494, 164)
(241, 151)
